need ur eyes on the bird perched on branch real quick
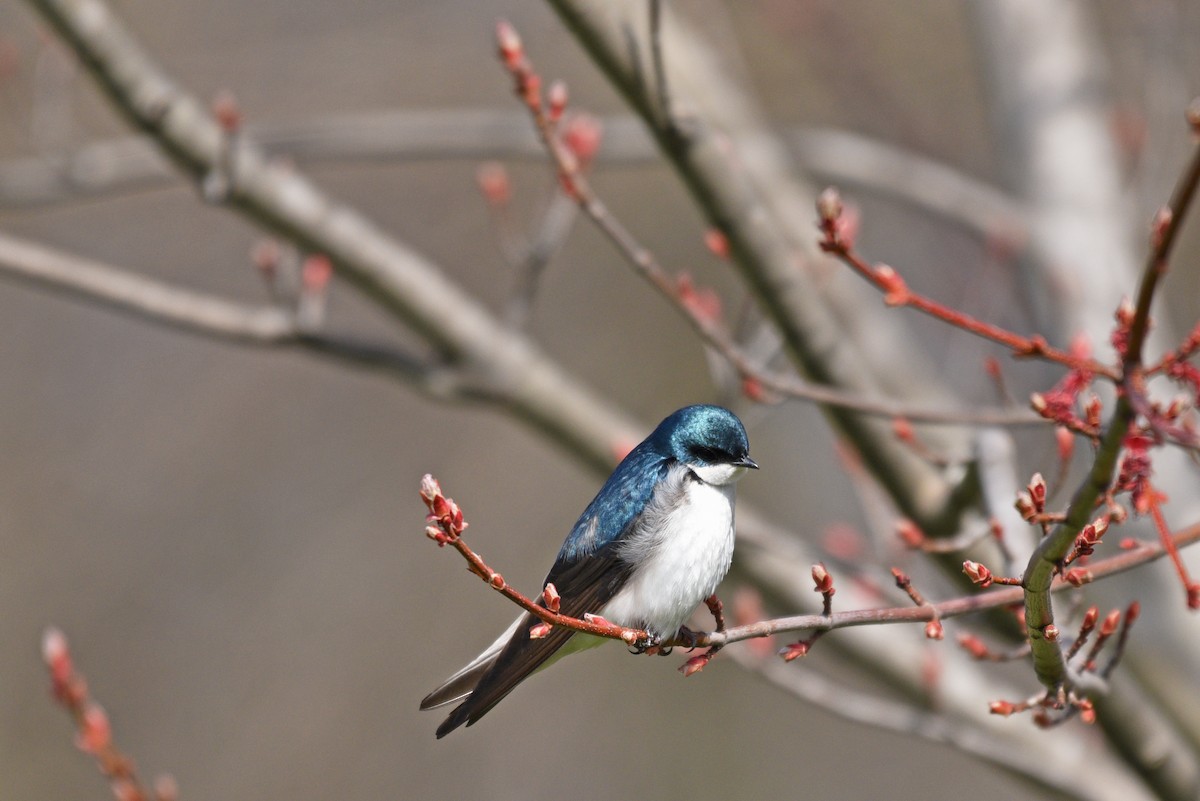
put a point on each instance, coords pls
(654, 542)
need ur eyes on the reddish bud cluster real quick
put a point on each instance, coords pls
(695, 664)
(1065, 442)
(838, 224)
(1059, 403)
(1187, 375)
(934, 630)
(1004, 708)
(512, 53)
(909, 533)
(822, 580)
(582, 135)
(227, 112)
(1159, 226)
(1037, 492)
(1193, 115)
(556, 101)
(1089, 619)
(973, 646)
(95, 732)
(551, 598)
(1089, 538)
(843, 541)
(539, 630)
(795, 650)
(829, 211)
(895, 290)
(316, 273)
(752, 388)
(978, 574)
(1134, 475)
(493, 181)
(703, 303)
(1120, 335)
(717, 243)
(445, 519)
(57, 657)
(1078, 576)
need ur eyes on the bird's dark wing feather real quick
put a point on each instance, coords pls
(585, 586)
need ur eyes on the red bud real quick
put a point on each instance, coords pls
(794, 651)
(716, 243)
(977, 573)
(1004, 708)
(909, 534)
(550, 597)
(509, 43)
(95, 732)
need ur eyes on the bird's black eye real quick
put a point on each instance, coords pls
(706, 454)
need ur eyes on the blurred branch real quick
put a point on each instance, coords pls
(1097, 781)
(401, 281)
(217, 318)
(732, 166)
(698, 308)
(93, 730)
(1046, 78)
(843, 157)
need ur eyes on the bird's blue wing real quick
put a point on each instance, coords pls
(622, 498)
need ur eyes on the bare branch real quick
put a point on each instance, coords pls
(1096, 780)
(217, 318)
(400, 280)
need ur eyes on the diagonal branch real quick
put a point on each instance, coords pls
(217, 318)
(398, 279)
(735, 171)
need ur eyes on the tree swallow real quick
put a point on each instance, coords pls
(654, 542)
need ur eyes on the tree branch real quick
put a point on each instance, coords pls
(401, 281)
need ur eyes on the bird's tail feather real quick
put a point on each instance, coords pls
(461, 684)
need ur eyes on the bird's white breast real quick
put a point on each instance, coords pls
(683, 550)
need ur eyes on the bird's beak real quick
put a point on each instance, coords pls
(746, 461)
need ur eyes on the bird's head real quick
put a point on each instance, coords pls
(710, 440)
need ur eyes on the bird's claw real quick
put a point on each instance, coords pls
(689, 637)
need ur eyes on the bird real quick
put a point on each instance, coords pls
(655, 541)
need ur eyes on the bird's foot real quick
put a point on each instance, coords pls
(649, 645)
(688, 637)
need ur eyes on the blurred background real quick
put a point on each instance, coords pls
(231, 538)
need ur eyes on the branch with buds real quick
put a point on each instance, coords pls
(93, 732)
(571, 152)
(445, 524)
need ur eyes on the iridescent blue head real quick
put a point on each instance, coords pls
(709, 439)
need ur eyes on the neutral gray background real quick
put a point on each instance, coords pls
(232, 539)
